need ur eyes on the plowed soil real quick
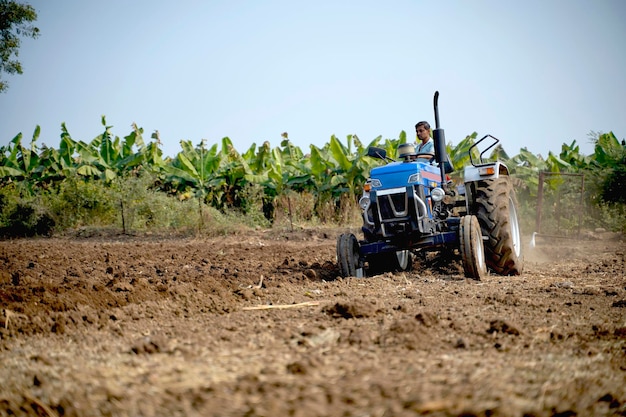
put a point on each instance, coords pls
(260, 325)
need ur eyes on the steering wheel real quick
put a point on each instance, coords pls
(425, 155)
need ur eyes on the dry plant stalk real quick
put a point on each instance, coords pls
(283, 306)
(40, 404)
(7, 317)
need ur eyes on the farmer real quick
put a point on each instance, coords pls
(425, 143)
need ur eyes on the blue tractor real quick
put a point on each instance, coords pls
(409, 208)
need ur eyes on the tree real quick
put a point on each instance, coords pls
(15, 22)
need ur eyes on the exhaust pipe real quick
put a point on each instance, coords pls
(439, 138)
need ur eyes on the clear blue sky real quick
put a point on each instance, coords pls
(534, 73)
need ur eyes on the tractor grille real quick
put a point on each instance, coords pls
(392, 204)
(400, 210)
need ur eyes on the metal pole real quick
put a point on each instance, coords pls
(582, 202)
(539, 203)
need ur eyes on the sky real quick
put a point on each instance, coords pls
(536, 74)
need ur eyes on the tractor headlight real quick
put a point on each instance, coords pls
(437, 194)
(376, 183)
(414, 178)
(364, 202)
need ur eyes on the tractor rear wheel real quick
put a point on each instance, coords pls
(471, 248)
(348, 256)
(495, 206)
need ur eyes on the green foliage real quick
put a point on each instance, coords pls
(610, 159)
(77, 202)
(125, 182)
(614, 185)
(610, 216)
(21, 217)
(564, 208)
(252, 196)
(15, 21)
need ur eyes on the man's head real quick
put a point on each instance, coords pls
(423, 131)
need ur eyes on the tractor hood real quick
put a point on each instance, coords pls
(401, 174)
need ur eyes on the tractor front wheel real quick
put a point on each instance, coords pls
(471, 248)
(348, 256)
(404, 259)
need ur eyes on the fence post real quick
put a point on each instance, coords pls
(539, 203)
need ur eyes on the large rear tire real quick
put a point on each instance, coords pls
(348, 256)
(471, 248)
(495, 206)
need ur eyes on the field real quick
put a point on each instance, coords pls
(260, 325)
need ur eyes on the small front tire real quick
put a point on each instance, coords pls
(348, 256)
(471, 248)
(404, 260)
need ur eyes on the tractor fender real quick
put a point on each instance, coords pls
(490, 170)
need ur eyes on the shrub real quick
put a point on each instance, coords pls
(23, 217)
(76, 203)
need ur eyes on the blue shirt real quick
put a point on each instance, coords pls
(428, 147)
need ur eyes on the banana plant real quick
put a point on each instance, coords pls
(49, 168)
(608, 151)
(107, 156)
(22, 162)
(227, 173)
(287, 169)
(192, 168)
(282, 174)
(10, 167)
(67, 153)
(153, 153)
(609, 159)
(297, 166)
(352, 166)
(25, 164)
(571, 155)
(460, 155)
(321, 174)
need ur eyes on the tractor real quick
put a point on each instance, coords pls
(411, 207)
